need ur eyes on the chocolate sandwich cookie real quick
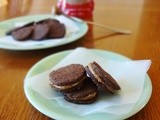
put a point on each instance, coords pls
(68, 78)
(40, 31)
(101, 78)
(57, 29)
(22, 34)
(85, 95)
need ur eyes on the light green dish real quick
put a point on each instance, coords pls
(52, 109)
(9, 24)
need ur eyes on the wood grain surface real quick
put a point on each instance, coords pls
(142, 17)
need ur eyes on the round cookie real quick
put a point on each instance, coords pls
(57, 29)
(68, 78)
(17, 28)
(101, 78)
(85, 95)
(40, 31)
(22, 33)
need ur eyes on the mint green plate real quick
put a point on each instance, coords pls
(9, 24)
(52, 109)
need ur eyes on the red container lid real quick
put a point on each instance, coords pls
(83, 10)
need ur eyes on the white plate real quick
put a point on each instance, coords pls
(53, 110)
(9, 24)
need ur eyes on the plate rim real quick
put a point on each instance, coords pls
(124, 116)
(83, 30)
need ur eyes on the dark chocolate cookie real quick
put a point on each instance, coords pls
(22, 34)
(40, 32)
(101, 78)
(85, 95)
(68, 78)
(57, 29)
(17, 28)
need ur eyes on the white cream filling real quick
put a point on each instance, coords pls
(94, 74)
(98, 78)
(89, 96)
(68, 86)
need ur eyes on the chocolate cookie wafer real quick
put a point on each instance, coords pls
(57, 29)
(85, 95)
(101, 78)
(22, 34)
(68, 78)
(17, 28)
(40, 31)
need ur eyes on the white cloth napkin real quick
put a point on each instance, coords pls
(71, 28)
(126, 73)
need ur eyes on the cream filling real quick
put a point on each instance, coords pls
(68, 86)
(98, 78)
(94, 74)
(89, 96)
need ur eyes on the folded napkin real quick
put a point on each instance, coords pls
(127, 73)
(71, 28)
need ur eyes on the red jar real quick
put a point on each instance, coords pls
(78, 8)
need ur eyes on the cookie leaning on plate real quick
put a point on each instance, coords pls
(101, 78)
(68, 78)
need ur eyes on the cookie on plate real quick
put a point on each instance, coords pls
(85, 95)
(68, 78)
(101, 78)
(57, 29)
(40, 31)
(22, 34)
(17, 28)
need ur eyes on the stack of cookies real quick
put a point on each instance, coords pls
(80, 84)
(44, 29)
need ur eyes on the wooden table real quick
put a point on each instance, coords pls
(141, 17)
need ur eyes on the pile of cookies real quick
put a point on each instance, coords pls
(44, 29)
(80, 84)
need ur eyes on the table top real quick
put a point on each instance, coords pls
(141, 17)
